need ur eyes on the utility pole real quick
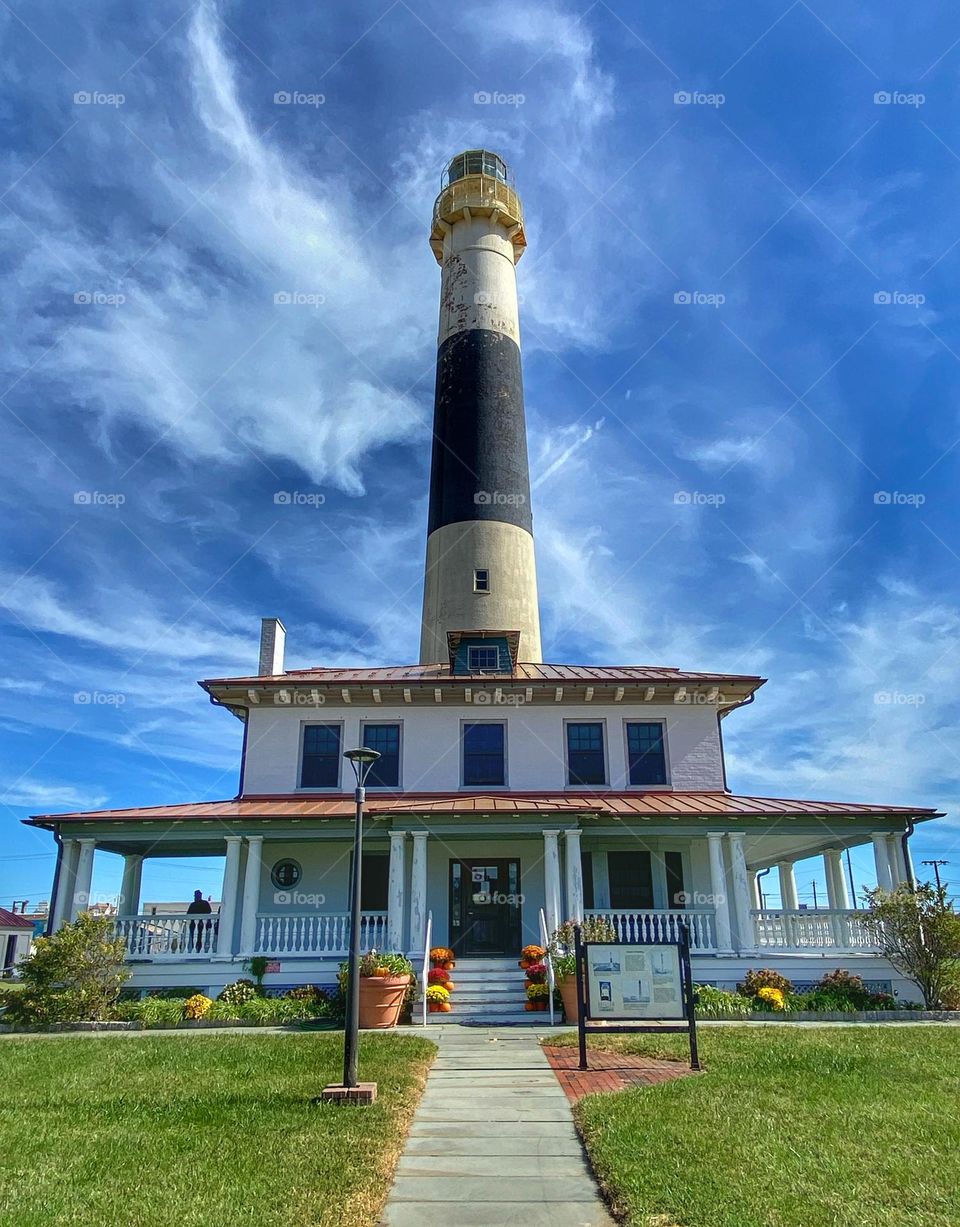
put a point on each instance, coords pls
(935, 866)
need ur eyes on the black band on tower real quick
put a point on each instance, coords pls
(479, 469)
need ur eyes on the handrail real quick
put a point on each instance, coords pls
(428, 937)
(551, 978)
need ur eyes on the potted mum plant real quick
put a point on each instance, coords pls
(384, 980)
(562, 944)
(537, 997)
(442, 956)
(438, 999)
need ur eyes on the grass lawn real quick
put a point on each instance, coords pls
(192, 1129)
(832, 1127)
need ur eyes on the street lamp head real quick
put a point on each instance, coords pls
(361, 760)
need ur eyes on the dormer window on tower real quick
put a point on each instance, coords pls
(481, 580)
(483, 659)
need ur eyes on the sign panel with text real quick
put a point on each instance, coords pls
(628, 981)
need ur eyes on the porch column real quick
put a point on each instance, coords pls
(251, 895)
(129, 902)
(788, 886)
(881, 859)
(395, 899)
(718, 889)
(84, 879)
(574, 874)
(837, 895)
(898, 872)
(551, 879)
(741, 893)
(756, 900)
(418, 892)
(229, 891)
(62, 901)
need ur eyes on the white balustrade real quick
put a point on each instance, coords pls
(813, 929)
(318, 933)
(168, 936)
(662, 925)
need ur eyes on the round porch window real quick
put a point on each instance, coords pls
(286, 874)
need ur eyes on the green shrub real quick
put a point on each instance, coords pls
(73, 976)
(175, 994)
(715, 1002)
(754, 981)
(160, 1011)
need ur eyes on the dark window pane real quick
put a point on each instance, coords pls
(631, 880)
(321, 756)
(374, 875)
(586, 866)
(648, 764)
(585, 754)
(673, 863)
(483, 754)
(385, 738)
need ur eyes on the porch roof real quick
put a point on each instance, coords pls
(633, 804)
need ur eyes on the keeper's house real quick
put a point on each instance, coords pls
(510, 794)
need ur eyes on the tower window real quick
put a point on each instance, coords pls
(483, 660)
(481, 581)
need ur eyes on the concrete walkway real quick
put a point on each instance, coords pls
(493, 1140)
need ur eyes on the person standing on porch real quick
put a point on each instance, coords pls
(199, 907)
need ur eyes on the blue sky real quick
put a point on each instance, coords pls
(739, 290)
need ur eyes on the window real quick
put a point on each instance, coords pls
(586, 868)
(385, 739)
(374, 878)
(483, 756)
(481, 581)
(673, 864)
(321, 756)
(286, 874)
(631, 880)
(480, 660)
(645, 754)
(585, 754)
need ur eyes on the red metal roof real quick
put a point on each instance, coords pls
(525, 672)
(612, 804)
(13, 920)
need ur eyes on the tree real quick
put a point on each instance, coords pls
(74, 976)
(918, 932)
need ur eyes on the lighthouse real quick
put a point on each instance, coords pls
(480, 572)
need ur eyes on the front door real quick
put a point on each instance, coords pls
(485, 906)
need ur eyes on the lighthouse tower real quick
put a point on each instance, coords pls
(480, 574)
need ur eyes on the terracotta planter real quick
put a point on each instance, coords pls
(568, 992)
(381, 999)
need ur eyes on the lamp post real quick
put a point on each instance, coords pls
(361, 761)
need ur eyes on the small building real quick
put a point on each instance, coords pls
(16, 938)
(510, 794)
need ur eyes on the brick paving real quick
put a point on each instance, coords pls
(609, 1071)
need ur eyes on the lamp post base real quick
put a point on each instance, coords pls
(336, 1092)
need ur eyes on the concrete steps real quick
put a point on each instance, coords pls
(489, 990)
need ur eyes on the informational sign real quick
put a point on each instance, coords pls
(629, 981)
(635, 986)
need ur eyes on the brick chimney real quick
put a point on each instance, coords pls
(272, 639)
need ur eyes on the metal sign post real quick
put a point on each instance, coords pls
(636, 989)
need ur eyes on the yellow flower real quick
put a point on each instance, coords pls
(773, 997)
